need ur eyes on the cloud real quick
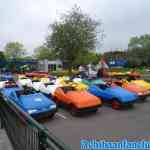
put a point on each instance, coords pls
(27, 20)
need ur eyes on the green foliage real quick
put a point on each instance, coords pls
(2, 59)
(88, 58)
(74, 35)
(24, 68)
(14, 50)
(139, 51)
(43, 52)
(10, 65)
(142, 42)
(2, 56)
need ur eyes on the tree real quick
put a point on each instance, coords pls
(75, 34)
(142, 42)
(2, 59)
(2, 56)
(14, 50)
(44, 52)
(88, 58)
(139, 51)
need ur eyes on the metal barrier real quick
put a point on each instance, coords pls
(24, 132)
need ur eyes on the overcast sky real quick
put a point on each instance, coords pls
(27, 20)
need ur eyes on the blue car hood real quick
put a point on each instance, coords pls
(122, 94)
(35, 101)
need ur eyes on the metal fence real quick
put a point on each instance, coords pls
(24, 132)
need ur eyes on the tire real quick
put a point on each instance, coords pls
(52, 115)
(74, 111)
(95, 110)
(116, 104)
(55, 100)
(131, 105)
(1, 96)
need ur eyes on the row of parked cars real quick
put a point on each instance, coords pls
(40, 95)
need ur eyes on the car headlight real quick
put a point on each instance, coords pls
(140, 93)
(148, 92)
(32, 111)
(53, 106)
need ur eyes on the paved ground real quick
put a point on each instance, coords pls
(4, 142)
(106, 123)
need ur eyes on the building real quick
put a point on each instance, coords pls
(46, 65)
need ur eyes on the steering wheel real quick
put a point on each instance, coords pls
(109, 83)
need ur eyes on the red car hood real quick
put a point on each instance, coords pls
(134, 88)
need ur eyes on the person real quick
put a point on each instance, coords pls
(133, 75)
(82, 71)
(81, 68)
(103, 69)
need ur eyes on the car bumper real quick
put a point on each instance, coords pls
(144, 95)
(89, 109)
(130, 102)
(44, 114)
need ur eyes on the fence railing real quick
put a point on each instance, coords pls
(24, 132)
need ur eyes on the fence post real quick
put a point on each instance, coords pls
(1, 123)
(42, 138)
(1, 126)
(1, 120)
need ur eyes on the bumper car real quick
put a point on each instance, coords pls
(20, 76)
(38, 74)
(8, 87)
(2, 83)
(45, 80)
(116, 96)
(93, 82)
(134, 74)
(30, 74)
(35, 104)
(48, 88)
(76, 101)
(23, 81)
(132, 87)
(142, 83)
(118, 74)
(7, 76)
(75, 83)
(62, 80)
(78, 84)
(35, 84)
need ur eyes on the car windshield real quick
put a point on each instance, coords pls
(1, 80)
(119, 83)
(35, 81)
(26, 91)
(46, 84)
(68, 88)
(103, 86)
(10, 84)
(23, 78)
